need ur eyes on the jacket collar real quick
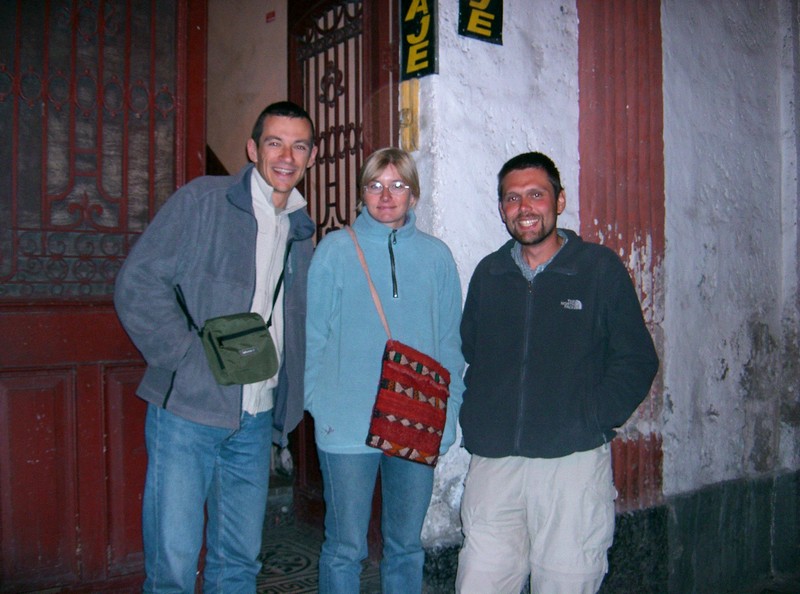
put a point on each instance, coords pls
(301, 225)
(503, 262)
(239, 191)
(368, 228)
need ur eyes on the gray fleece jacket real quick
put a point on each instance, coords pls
(204, 239)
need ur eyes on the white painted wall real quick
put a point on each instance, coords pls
(487, 104)
(730, 354)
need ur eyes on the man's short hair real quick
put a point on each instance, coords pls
(286, 109)
(530, 161)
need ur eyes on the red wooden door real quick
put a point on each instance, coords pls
(98, 113)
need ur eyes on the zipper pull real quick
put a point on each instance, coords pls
(393, 239)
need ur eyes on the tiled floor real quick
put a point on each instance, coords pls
(290, 551)
(290, 554)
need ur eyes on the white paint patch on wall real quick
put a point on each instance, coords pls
(725, 309)
(647, 272)
(487, 104)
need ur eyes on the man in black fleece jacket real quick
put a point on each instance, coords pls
(559, 356)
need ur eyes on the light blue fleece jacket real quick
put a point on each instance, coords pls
(344, 334)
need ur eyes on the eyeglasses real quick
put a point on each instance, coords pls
(396, 188)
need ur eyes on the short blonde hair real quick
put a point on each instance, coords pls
(380, 160)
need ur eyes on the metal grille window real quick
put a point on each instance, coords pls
(345, 74)
(330, 54)
(87, 134)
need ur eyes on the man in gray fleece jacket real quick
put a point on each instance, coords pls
(226, 241)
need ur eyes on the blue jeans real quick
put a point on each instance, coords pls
(348, 482)
(190, 466)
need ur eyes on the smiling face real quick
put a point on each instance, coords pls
(530, 209)
(284, 152)
(387, 207)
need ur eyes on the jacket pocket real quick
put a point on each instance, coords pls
(193, 375)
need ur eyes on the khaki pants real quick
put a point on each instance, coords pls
(552, 519)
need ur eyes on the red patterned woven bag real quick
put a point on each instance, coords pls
(410, 409)
(411, 406)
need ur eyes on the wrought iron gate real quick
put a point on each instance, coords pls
(344, 69)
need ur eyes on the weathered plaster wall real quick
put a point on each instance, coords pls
(246, 71)
(488, 103)
(730, 329)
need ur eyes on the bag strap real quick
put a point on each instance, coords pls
(185, 309)
(278, 286)
(375, 298)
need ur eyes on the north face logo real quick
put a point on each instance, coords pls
(572, 304)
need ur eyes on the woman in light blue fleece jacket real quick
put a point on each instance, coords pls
(418, 284)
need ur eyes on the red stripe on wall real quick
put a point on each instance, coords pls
(622, 190)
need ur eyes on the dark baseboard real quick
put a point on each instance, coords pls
(732, 537)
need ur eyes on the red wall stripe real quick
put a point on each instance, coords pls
(622, 188)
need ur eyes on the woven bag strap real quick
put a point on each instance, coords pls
(375, 298)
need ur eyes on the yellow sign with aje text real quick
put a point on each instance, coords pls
(418, 42)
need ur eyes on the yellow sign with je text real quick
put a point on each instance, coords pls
(481, 19)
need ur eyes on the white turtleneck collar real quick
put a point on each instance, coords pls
(273, 231)
(262, 196)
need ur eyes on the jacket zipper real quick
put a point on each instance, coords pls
(169, 391)
(393, 240)
(239, 334)
(524, 367)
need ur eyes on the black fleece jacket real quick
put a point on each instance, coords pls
(557, 364)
